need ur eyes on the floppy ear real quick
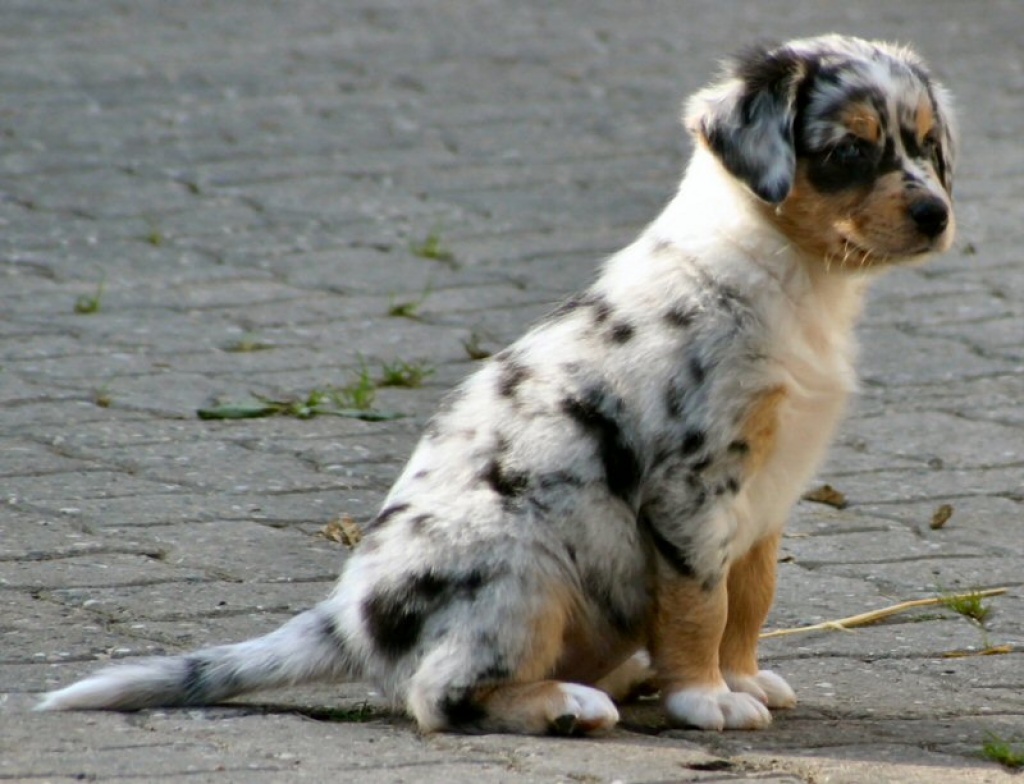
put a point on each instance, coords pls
(747, 120)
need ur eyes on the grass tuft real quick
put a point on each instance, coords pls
(246, 344)
(409, 308)
(90, 303)
(998, 750)
(403, 374)
(357, 714)
(432, 247)
(970, 605)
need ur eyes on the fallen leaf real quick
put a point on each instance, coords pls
(826, 494)
(342, 529)
(238, 411)
(942, 514)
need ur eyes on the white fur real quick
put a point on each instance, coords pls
(767, 686)
(716, 708)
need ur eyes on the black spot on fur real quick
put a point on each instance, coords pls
(676, 557)
(732, 485)
(418, 523)
(679, 317)
(739, 448)
(697, 371)
(469, 583)
(395, 629)
(463, 711)
(387, 514)
(621, 332)
(570, 305)
(395, 615)
(598, 414)
(558, 479)
(701, 465)
(328, 628)
(602, 310)
(205, 682)
(508, 484)
(675, 399)
(511, 375)
(730, 299)
(194, 684)
(693, 442)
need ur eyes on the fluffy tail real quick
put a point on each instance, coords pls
(309, 647)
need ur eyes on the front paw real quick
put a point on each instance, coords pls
(716, 708)
(766, 686)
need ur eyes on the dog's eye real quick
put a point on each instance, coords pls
(848, 153)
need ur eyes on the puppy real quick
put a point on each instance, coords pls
(617, 480)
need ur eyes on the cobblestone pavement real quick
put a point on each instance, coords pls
(249, 196)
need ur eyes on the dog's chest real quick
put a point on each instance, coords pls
(814, 363)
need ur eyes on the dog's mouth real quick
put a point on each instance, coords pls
(856, 252)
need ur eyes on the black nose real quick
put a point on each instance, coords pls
(931, 216)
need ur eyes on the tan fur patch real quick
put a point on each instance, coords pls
(853, 229)
(761, 427)
(881, 220)
(688, 628)
(862, 120)
(520, 707)
(547, 634)
(807, 217)
(751, 591)
(924, 119)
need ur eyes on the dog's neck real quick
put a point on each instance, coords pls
(712, 210)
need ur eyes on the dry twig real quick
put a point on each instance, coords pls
(844, 624)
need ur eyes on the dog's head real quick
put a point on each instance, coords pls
(850, 142)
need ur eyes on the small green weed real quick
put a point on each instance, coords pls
(102, 397)
(998, 750)
(246, 344)
(431, 247)
(409, 308)
(359, 393)
(90, 303)
(403, 374)
(969, 605)
(473, 348)
(357, 714)
(353, 400)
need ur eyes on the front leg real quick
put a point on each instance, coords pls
(689, 627)
(751, 588)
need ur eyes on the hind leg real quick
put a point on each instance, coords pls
(635, 677)
(489, 669)
(539, 708)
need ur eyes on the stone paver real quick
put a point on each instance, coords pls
(255, 175)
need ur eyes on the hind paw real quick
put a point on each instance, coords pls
(583, 710)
